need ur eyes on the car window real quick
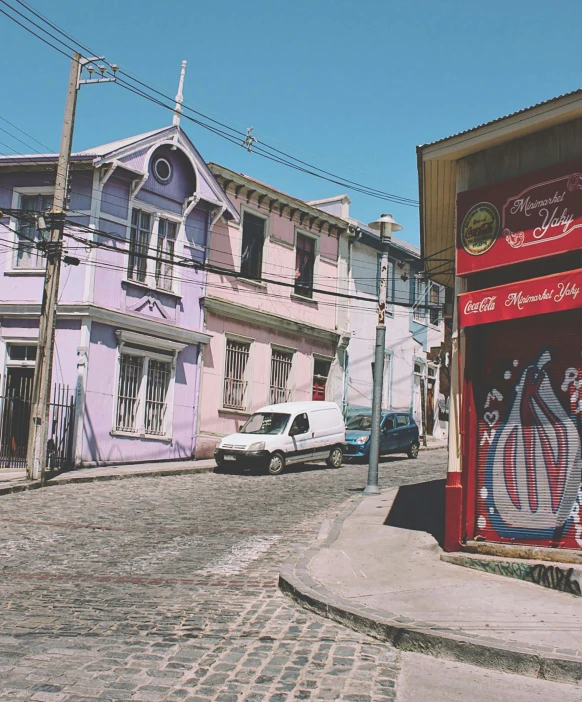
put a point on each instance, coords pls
(402, 420)
(300, 424)
(388, 424)
(360, 421)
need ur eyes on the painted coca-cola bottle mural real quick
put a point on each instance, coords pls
(530, 456)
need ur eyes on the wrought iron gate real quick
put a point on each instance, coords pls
(15, 406)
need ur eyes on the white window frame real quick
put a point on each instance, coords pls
(149, 349)
(11, 267)
(326, 359)
(267, 238)
(420, 316)
(434, 286)
(290, 378)
(156, 214)
(315, 238)
(248, 373)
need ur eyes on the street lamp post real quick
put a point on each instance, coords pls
(385, 225)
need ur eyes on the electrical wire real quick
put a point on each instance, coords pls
(233, 135)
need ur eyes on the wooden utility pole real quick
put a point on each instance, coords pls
(39, 418)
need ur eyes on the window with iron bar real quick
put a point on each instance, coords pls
(281, 366)
(236, 363)
(28, 255)
(142, 395)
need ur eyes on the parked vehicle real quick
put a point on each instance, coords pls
(290, 432)
(398, 434)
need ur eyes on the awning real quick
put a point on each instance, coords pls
(526, 298)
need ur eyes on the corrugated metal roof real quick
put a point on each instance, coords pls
(500, 119)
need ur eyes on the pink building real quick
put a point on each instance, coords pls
(277, 332)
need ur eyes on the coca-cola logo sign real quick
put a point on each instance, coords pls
(487, 304)
(480, 229)
(536, 215)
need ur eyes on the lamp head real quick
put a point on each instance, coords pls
(386, 224)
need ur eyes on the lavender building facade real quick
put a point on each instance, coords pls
(129, 331)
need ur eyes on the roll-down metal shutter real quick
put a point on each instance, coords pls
(527, 379)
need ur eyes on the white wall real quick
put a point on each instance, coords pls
(401, 346)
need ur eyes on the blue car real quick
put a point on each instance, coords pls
(398, 434)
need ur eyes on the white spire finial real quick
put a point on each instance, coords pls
(179, 96)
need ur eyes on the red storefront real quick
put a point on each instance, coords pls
(501, 229)
(521, 409)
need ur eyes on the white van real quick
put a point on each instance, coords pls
(291, 432)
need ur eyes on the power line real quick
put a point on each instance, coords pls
(266, 151)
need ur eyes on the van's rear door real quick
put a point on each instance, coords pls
(328, 430)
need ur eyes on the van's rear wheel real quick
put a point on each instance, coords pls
(276, 463)
(335, 458)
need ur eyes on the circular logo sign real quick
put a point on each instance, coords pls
(480, 228)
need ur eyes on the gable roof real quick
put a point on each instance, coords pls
(113, 151)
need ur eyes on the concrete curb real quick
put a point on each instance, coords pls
(69, 478)
(408, 635)
(121, 476)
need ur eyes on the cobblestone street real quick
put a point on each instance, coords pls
(166, 589)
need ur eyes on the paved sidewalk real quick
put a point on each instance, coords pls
(390, 582)
(15, 481)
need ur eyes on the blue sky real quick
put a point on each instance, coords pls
(352, 87)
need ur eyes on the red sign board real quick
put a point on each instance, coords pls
(533, 216)
(552, 293)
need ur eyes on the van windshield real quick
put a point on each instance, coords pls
(266, 423)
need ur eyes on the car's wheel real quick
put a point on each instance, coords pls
(276, 463)
(413, 449)
(335, 458)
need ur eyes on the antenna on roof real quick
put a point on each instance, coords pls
(179, 96)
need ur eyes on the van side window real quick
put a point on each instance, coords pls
(402, 420)
(300, 425)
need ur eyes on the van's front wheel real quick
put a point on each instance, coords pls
(335, 458)
(276, 463)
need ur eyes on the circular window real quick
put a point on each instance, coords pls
(162, 170)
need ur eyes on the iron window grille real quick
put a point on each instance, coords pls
(139, 245)
(304, 265)
(130, 375)
(281, 365)
(165, 254)
(235, 374)
(28, 254)
(253, 239)
(158, 382)
(142, 395)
